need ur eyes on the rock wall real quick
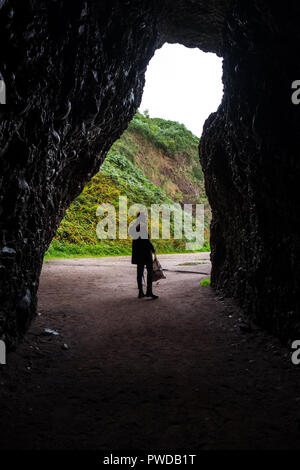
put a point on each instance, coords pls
(249, 153)
(74, 72)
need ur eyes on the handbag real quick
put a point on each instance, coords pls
(157, 270)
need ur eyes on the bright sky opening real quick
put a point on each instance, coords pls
(183, 85)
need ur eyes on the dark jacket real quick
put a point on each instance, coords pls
(142, 250)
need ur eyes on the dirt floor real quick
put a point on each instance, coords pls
(181, 372)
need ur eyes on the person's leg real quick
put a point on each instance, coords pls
(149, 281)
(149, 277)
(140, 272)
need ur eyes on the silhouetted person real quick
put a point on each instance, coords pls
(142, 250)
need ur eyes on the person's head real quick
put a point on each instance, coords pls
(142, 224)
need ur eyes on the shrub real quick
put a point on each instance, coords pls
(205, 282)
(197, 172)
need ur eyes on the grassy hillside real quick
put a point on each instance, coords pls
(155, 161)
(167, 153)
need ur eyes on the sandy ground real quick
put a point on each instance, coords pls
(180, 372)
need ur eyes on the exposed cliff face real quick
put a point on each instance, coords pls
(74, 72)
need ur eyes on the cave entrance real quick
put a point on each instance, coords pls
(156, 159)
(157, 155)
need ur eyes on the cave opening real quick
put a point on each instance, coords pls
(149, 147)
(161, 142)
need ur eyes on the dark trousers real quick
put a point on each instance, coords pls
(140, 272)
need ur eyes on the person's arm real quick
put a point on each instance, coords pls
(152, 247)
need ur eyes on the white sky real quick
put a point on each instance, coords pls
(183, 85)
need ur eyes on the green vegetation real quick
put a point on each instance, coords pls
(171, 137)
(154, 162)
(205, 282)
(197, 172)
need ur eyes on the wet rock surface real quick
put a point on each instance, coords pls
(74, 73)
(248, 153)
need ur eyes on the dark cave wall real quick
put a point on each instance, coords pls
(250, 155)
(74, 73)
